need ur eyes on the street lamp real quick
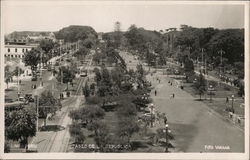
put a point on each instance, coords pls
(221, 52)
(210, 89)
(189, 51)
(37, 111)
(151, 107)
(233, 103)
(166, 131)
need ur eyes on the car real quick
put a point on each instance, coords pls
(29, 97)
(34, 78)
(21, 99)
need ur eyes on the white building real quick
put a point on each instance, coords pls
(17, 51)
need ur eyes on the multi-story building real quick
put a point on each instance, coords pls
(19, 43)
(17, 50)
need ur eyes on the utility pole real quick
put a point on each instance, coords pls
(189, 51)
(41, 58)
(221, 52)
(37, 112)
(202, 59)
(166, 131)
(18, 85)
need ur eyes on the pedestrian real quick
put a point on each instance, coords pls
(173, 95)
(171, 84)
(155, 93)
(20, 81)
(165, 119)
(227, 99)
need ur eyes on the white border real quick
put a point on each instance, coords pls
(232, 156)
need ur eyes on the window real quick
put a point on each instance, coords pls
(15, 49)
(26, 49)
(23, 50)
(11, 55)
(8, 50)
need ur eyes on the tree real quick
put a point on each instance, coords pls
(200, 85)
(32, 58)
(91, 115)
(7, 75)
(127, 127)
(239, 69)
(241, 91)
(48, 104)
(76, 132)
(74, 33)
(81, 53)
(86, 90)
(65, 75)
(101, 134)
(46, 45)
(88, 114)
(188, 68)
(98, 76)
(106, 78)
(19, 125)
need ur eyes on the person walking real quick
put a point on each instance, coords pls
(227, 99)
(155, 92)
(165, 119)
(173, 95)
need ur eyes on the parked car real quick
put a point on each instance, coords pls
(29, 97)
(34, 78)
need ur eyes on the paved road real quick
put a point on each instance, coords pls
(60, 140)
(196, 127)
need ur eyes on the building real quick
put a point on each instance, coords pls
(17, 50)
(19, 43)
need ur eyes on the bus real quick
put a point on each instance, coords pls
(83, 73)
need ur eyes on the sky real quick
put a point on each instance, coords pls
(53, 16)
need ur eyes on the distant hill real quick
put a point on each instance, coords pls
(149, 35)
(24, 34)
(76, 32)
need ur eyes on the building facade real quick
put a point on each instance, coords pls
(17, 50)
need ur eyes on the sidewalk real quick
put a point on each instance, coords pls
(192, 123)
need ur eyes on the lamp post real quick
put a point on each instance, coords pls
(221, 52)
(233, 103)
(166, 131)
(151, 107)
(37, 111)
(189, 51)
(202, 61)
(210, 89)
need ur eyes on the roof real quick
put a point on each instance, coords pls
(20, 46)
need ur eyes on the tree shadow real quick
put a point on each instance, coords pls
(199, 99)
(54, 128)
(9, 89)
(164, 144)
(138, 144)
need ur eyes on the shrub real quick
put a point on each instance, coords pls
(93, 100)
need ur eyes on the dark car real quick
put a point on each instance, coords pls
(29, 97)
(34, 78)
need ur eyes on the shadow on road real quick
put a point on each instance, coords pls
(54, 128)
